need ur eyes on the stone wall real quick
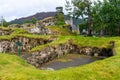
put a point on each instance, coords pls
(27, 43)
(49, 53)
(5, 32)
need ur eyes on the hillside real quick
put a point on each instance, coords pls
(38, 16)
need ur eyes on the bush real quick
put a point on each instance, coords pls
(60, 19)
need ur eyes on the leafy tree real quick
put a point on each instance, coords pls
(107, 16)
(99, 15)
(82, 8)
(68, 8)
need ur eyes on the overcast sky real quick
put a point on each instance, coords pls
(12, 9)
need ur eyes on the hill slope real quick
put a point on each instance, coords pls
(38, 16)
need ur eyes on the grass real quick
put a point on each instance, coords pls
(79, 40)
(19, 32)
(4, 28)
(13, 67)
(60, 39)
(59, 30)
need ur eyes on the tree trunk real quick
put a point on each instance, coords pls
(89, 22)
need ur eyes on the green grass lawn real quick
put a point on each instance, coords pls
(14, 68)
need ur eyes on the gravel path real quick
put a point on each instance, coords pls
(56, 65)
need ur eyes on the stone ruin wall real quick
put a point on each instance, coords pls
(49, 53)
(50, 21)
(9, 46)
(39, 27)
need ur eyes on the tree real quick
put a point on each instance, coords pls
(107, 16)
(99, 15)
(82, 8)
(60, 19)
(68, 8)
